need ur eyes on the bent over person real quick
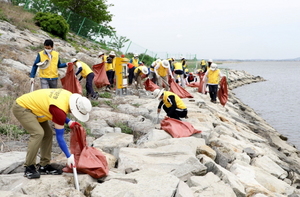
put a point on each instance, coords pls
(33, 110)
(48, 63)
(172, 104)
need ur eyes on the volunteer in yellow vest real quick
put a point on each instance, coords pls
(102, 57)
(86, 72)
(110, 69)
(172, 104)
(183, 62)
(162, 70)
(178, 70)
(213, 76)
(203, 65)
(152, 75)
(48, 63)
(135, 60)
(138, 72)
(171, 62)
(33, 110)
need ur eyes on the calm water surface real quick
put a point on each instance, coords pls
(277, 100)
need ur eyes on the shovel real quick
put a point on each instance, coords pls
(32, 87)
(75, 178)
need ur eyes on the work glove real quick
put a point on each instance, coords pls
(69, 63)
(31, 80)
(71, 161)
(73, 123)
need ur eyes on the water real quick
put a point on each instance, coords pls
(276, 100)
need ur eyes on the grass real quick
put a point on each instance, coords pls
(124, 128)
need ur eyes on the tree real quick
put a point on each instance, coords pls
(118, 43)
(96, 10)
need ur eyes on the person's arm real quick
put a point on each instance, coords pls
(34, 66)
(155, 70)
(170, 72)
(78, 64)
(159, 106)
(171, 99)
(61, 65)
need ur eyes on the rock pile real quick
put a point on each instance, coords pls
(237, 153)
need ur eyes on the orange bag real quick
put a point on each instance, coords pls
(223, 91)
(177, 128)
(150, 86)
(88, 160)
(180, 91)
(70, 82)
(100, 79)
(202, 85)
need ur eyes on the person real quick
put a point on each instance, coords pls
(183, 62)
(102, 57)
(33, 110)
(172, 104)
(110, 69)
(203, 65)
(191, 78)
(179, 73)
(152, 75)
(171, 62)
(162, 69)
(135, 60)
(138, 72)
(130, 71)
(213, 76)
(209, 62)
(86, 72)
(48, 63)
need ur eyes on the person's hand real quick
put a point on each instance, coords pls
(71, 161)
(69, 64)
(158, 111)
(73, 123)
(31, 80)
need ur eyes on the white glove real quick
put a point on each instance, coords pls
(71, 161)
(31, 80)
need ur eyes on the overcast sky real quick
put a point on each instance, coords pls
(217, 29)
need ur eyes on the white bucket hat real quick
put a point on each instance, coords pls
(213, 66)
(74, 60)
(157, 93)
(112, 53)
(100, 53)
(80, 107)
(165, 63)
(43, 65)
(145, 70)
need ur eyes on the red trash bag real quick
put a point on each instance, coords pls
(180, 91)
(223, 91)
(100, 79)
(88, 160)
(150, 86)
(202, 85)
(177, 128)
(70, 82)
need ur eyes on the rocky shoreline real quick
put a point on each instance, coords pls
(237, 154)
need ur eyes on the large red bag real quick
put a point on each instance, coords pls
(223, 91)
(202, 85)
(150, 86)
(100, 79)
(177, 89)
(89, 160)
(177, 128)
(70, 82)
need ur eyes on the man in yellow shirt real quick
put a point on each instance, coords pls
(33, 110)
(110, 69)
(172, 104)
(162, 70)
(138, 72)
(86, 72)
(213, 76)
(48, 62)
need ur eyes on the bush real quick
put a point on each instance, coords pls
(52, 23)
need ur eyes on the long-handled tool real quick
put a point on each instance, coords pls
(32, 87)
(75, 178)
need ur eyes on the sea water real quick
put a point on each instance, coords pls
(277, 100)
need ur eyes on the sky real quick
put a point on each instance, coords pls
(211, 29)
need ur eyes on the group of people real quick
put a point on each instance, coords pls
(35, 109)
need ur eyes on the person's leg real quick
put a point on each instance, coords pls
(44, 83)
(130, 75)
(215, 92)
(182, 81)
(112, 79)
(173, 115)
(46, 145)
(29, 121)
(159, 82)
(139, 82)
(108, 74)
(165, 81)
(52, 83)
(89, 84)
(210, 90)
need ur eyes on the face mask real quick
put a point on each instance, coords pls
(48, 50)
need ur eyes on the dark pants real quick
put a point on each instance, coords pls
(177, 114)
(213, 91)
(130, 75)
(89, 85)
(110, 76)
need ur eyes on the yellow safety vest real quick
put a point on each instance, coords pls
(162, 71)
(139, 68)
(180, 104)
(52, 70)
(178, 66)
(111, 66)
(213, 76)
(203, 62)
(40, 100)
(85, 69)
(135, 62)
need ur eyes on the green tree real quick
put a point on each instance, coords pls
(95, 10)
(118, 43)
